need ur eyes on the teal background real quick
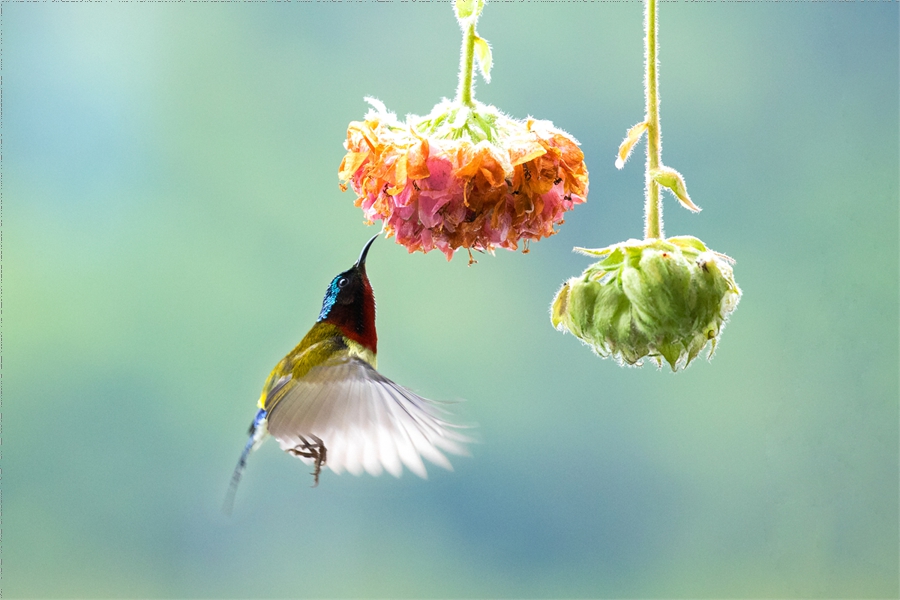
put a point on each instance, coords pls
(171, 218)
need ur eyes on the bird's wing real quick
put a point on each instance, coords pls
(364, 420)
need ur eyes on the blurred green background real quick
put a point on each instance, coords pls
(171, 217)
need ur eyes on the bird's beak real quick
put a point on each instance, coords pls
(361, 263)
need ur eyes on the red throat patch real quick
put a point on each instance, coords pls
(357, 320)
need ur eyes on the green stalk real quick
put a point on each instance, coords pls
(464, 93)
(653, 225)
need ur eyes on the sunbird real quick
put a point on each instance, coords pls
(327, 405)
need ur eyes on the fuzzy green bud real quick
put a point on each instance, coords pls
(663, 299)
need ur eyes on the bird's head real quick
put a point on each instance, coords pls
(350, 304)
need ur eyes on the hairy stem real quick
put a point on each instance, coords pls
(464, 93)
(653, 226)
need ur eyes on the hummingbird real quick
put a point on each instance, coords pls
(326, 403)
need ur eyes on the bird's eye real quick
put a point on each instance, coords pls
(342, 282)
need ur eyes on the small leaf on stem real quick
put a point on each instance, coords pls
(468, 8)
(631, 138)
(483, 54)
(672, 179)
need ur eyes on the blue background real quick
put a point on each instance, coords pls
(171, 218)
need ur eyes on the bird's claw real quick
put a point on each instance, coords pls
(315, 450)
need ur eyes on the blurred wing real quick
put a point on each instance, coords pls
(364, 420)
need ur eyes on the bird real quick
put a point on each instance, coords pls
(326, 404)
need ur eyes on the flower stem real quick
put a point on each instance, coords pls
(464, 93)
(653, 226)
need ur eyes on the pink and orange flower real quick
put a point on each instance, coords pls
(462, 177)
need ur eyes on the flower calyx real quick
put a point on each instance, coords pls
(662, 299)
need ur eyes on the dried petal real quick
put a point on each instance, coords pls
(462, 177)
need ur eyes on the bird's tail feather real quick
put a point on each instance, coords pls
(257, 433)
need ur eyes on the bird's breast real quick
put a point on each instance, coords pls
(357, 350)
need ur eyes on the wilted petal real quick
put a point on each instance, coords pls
(429, 174)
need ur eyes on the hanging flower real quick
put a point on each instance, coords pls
(663, 299)
(463, 177)
(660, 298)
(466, 175)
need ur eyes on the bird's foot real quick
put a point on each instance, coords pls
(315, 450)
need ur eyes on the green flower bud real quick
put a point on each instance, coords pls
(665, 299)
